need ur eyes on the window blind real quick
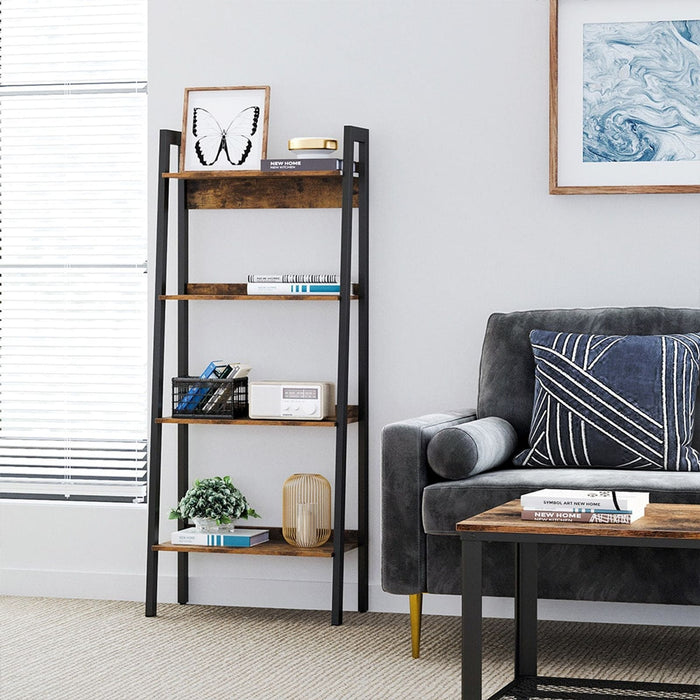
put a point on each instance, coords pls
(73, 292)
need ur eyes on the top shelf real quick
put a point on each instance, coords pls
(256, 174)
(254, 189)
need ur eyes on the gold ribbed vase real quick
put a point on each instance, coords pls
(306, 510)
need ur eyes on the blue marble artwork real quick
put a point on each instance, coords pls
(641, 91)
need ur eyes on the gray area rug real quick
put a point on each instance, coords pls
(57, 649)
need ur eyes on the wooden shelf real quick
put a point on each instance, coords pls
(276, 546)
(244, 174)
(237, 292)
(253, 189)
(353, 417)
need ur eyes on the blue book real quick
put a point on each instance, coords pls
(237, 538)
(214, 370)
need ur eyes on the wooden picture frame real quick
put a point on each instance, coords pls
(224, 128)
(611, 99)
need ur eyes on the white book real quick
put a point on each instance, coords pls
(240, 537)
(618, 517)
(583, 500)
(283, 288)
(297, 278)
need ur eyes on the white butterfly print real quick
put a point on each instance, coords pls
(234, 140)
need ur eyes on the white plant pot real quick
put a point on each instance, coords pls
(209, 525)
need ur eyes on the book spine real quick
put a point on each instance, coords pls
(300, 164)
(206, 539)
(222, 394)
(574, 509)
(214, 399)
(555, 499)
(572, 516)
(296, 278)
(284, 289)
(533, 502)
(195, 394)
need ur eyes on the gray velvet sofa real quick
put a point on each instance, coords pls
(420, 550)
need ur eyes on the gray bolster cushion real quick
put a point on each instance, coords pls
(464, 450)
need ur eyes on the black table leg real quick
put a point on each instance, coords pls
(525, 609)
(471, 619)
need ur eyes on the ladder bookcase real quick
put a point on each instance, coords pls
(347, 191)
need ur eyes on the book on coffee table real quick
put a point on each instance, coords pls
(583, 500)
(622, 517)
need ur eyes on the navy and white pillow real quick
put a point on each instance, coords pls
(613, 401)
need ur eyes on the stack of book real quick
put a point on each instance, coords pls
(293, 284)
(209, 399)
(582, 506)
(238, 538)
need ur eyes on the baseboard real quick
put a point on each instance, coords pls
(316, 595)
(71, 584)
(242, 592)
(566, 610)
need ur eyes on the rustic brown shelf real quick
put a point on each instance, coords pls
(276, 546)
(251, 297)
(238, 174)
(353, 417)
(253, 189)
(237, 292)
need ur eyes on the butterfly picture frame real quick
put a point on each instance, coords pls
(224, 128)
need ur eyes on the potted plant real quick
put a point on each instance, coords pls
(214, 505)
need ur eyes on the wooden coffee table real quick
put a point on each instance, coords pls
(664, 525)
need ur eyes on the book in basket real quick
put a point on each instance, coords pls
(583, 500)
(238, 538)
(214, 370)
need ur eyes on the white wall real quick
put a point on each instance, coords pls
(455, 96)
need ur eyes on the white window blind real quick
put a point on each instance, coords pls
(73, 293)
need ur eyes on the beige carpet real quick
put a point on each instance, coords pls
(79, 649)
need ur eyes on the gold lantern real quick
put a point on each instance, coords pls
(306, 510)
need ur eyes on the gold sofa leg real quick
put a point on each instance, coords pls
(416, 606)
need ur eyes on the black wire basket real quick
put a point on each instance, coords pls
(210, 398)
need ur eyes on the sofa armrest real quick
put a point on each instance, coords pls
(405, 473)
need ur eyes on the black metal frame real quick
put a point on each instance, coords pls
(592, 689)
(355, 139)
(525, 600)
(168, 139)
(352, 137)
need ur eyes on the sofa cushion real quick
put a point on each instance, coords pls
(447, 502)
(613, 401)
(463, 450)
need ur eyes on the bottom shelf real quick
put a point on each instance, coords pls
(536, 687)
(276, 546)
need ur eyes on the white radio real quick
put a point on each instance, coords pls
(291, 400)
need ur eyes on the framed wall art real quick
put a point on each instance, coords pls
(624, 96)
(224, 128)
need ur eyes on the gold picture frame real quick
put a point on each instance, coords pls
(592, 143)
(224, 128)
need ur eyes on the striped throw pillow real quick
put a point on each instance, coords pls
(613, 401)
